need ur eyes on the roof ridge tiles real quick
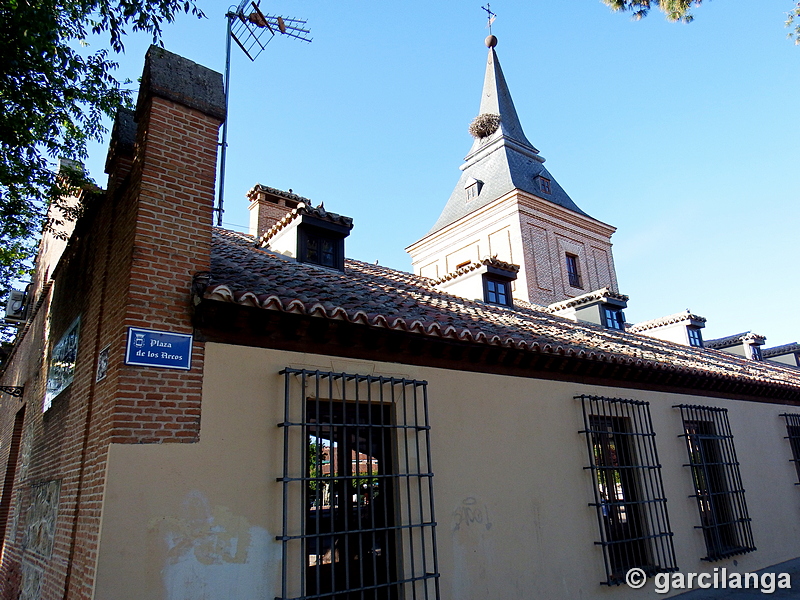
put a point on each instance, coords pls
(586, 298)
(491, 261)
(666, 320)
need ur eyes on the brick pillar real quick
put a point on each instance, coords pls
(120, 149)
(180, 108)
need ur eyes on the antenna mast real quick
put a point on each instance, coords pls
(247, 25)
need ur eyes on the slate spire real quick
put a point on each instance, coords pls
(501, 159)
(496, 100)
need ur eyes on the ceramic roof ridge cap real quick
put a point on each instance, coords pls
(275, 191)
(667, 320)
(732, 340)
(592, 296)
(779, 350)
(282, 223)
(492, 261)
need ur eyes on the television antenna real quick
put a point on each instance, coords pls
(252, 30)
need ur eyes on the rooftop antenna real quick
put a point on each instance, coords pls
(490, 16)
(252, 30)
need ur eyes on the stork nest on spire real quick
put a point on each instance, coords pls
(484, 125)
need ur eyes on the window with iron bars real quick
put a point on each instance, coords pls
(628, 490)
(358, 517)
(718, 485)
(793, 435)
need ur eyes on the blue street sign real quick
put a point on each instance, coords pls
(149, 348)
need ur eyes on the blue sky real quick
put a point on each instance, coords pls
(684, 137)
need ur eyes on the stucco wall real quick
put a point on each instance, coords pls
(199, 521)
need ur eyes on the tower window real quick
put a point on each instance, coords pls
(695, 338)
(496, 291)
(573, 274)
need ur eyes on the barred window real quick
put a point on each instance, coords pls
(628, 490)
(358, 518)
(715, 472)
(793, 435)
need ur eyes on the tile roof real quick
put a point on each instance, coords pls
(668, 320)
(735, 339)
(290, 195)
(380, 297)
(780, 350)
(587, 298)
(491, 261)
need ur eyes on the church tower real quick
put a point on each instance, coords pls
(507, 205)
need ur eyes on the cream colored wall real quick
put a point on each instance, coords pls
(532, 233)
(199, 521)
(490, 231)
(675, 332)
(784, 359)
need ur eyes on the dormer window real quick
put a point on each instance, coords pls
(614, 318)
(695, 337)
(496, 290)
(310, 235)
(318, 248)
(755, 353)
(472, 188)
(544, 185)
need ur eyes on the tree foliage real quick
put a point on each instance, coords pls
(679, 10)
(55, 91)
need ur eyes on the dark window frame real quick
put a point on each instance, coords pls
(632, 514)
(308, 236)
(497, 291)
(544, 185)
(573, 270)
(613, 318)
(720, 495)
(793, 436)
(755, 352)
(695, 337)
(344, 544)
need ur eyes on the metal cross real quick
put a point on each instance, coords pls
(490, 16)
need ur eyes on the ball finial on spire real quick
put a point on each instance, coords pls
(491, 41)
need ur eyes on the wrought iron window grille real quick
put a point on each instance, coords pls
(793, 435)
(628, 490)
(358, 515)
(719, 492)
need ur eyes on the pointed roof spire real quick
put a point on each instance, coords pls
(496, 100)
(501, 158)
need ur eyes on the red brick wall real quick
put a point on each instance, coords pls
(130, 262)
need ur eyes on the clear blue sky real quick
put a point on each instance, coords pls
(684, 137)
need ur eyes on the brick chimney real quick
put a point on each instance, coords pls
(268, 206)
(169, 200)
